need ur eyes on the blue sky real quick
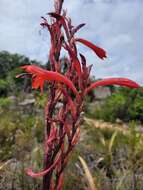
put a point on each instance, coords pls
(115, 25)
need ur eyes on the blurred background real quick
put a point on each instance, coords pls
(111, 140)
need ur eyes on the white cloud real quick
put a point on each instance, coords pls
(116, 25)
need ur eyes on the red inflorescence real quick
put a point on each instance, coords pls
(69, 83)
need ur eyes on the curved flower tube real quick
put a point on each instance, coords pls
(113, 81)
(43, 172)
(101, 53)
(39, 76)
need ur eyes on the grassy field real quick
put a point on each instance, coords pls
(112, 152)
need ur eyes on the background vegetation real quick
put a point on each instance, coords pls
(124, 103)
(113, 151)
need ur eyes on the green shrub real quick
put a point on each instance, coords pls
(3, 87)
(5, 102)
(125, 104)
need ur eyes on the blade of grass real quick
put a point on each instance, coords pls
(112, 141)
(88, 175)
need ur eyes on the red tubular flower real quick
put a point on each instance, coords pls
(113, 81)
(39, 76)
(101, 53)
(44, 172)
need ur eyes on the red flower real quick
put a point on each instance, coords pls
(39, 76)
(43, 172)
(113, 81)
(101, 53)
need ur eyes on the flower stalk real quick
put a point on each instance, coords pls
(69, 82)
